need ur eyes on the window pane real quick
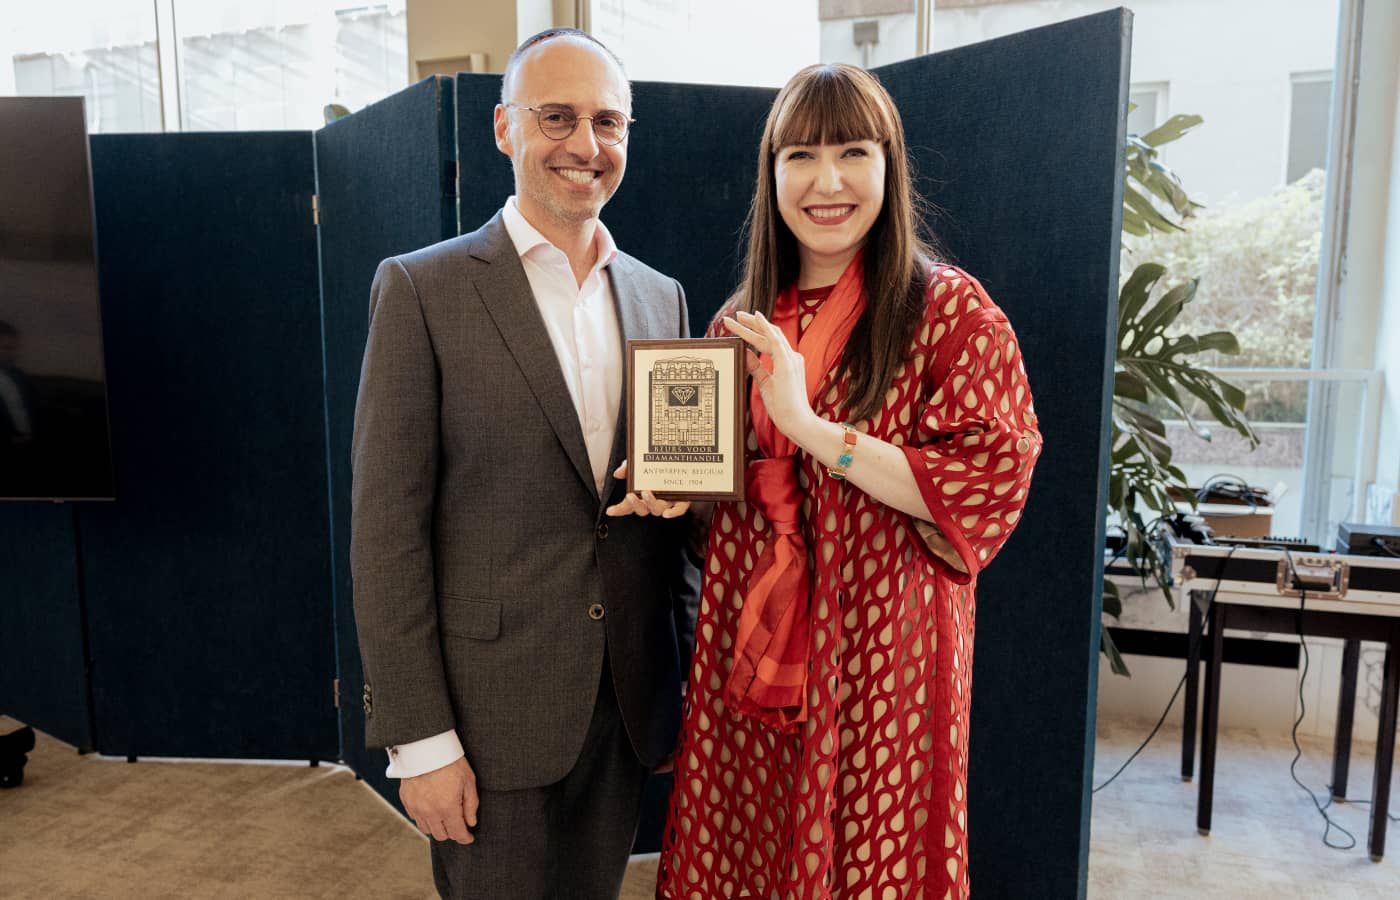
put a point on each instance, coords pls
(1307, 124)
(1277, 464)
(1147, 107)
(104, 51)
(273, 65)
(709, 41)
(1261, 83)
(371, 54)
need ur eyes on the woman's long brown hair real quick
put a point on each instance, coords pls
(836, 104)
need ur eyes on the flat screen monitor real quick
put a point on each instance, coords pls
(55, 441)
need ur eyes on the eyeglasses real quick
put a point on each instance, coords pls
(558, 122)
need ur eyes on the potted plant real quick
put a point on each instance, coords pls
(1157, 372)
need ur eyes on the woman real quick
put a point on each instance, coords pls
(891, 443)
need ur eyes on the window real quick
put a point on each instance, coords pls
(1147, 107)
(260, 64)
(1309, 108)
(1256, 243)
(709, 41)
(104, 52)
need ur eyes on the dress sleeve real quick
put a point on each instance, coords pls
(975, 444)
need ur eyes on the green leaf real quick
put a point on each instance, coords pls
(1172, 129)
(1135, 293)
(1126, 384)
(1110, 650)
(1112, 602)
(1143, 207)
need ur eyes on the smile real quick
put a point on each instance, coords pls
(829, 215)
(579, 176)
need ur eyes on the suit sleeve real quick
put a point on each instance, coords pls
(394, 458)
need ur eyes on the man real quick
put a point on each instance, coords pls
(516, 622)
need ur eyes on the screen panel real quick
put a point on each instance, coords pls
(43, 680)
(1019, 142)
(385, 183)
(208, 581)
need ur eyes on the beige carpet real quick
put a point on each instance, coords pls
(85, 827)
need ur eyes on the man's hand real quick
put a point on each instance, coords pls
(645, 503)
(443, 802)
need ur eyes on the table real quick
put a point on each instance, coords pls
(1349, 597)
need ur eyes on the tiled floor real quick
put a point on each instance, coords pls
(1266, 837)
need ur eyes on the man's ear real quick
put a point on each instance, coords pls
(502, 125)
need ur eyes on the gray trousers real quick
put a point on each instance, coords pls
(565, 841)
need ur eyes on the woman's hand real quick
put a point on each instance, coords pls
(645, 503)
(784, 390)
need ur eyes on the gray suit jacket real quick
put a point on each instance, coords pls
(478, 538)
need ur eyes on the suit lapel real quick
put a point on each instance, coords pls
(505, 292)
(636, 317)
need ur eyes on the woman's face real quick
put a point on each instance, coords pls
(830, 195)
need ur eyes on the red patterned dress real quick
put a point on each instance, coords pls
(869, 797)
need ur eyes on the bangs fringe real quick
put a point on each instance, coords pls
(830, 106)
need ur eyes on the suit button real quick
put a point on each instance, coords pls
(602, 531)
(595, 612)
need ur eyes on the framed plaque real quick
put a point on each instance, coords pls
(685, 418)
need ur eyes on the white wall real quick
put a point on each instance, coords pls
(899, 39)
(439, 29)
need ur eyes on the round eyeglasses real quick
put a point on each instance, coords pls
(558, 122)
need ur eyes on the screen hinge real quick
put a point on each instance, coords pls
(335, 686)
(315, 210)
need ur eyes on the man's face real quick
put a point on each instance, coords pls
(565, 182)
(9, 351)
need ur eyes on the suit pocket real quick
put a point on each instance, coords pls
(470, 617)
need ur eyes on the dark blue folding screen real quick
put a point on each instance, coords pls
(385, 183)
(208, 581)
(42, 680)
(1019, 141)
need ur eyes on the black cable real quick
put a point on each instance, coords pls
(1231, 487)
(1143, 745)
(1302, 712)
(1191, 646)
(1380, 544)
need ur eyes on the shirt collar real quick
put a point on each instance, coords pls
(527, 237)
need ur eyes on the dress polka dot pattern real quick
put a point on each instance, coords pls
(869, 798)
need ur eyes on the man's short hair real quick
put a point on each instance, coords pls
(550, 34)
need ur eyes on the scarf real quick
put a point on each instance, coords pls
(768, 680)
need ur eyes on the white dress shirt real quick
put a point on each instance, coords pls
(582, 323)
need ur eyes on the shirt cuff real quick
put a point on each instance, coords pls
(421, 757)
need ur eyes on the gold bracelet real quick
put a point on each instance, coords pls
(848, 449)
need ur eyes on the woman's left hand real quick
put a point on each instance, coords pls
(784, 390)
